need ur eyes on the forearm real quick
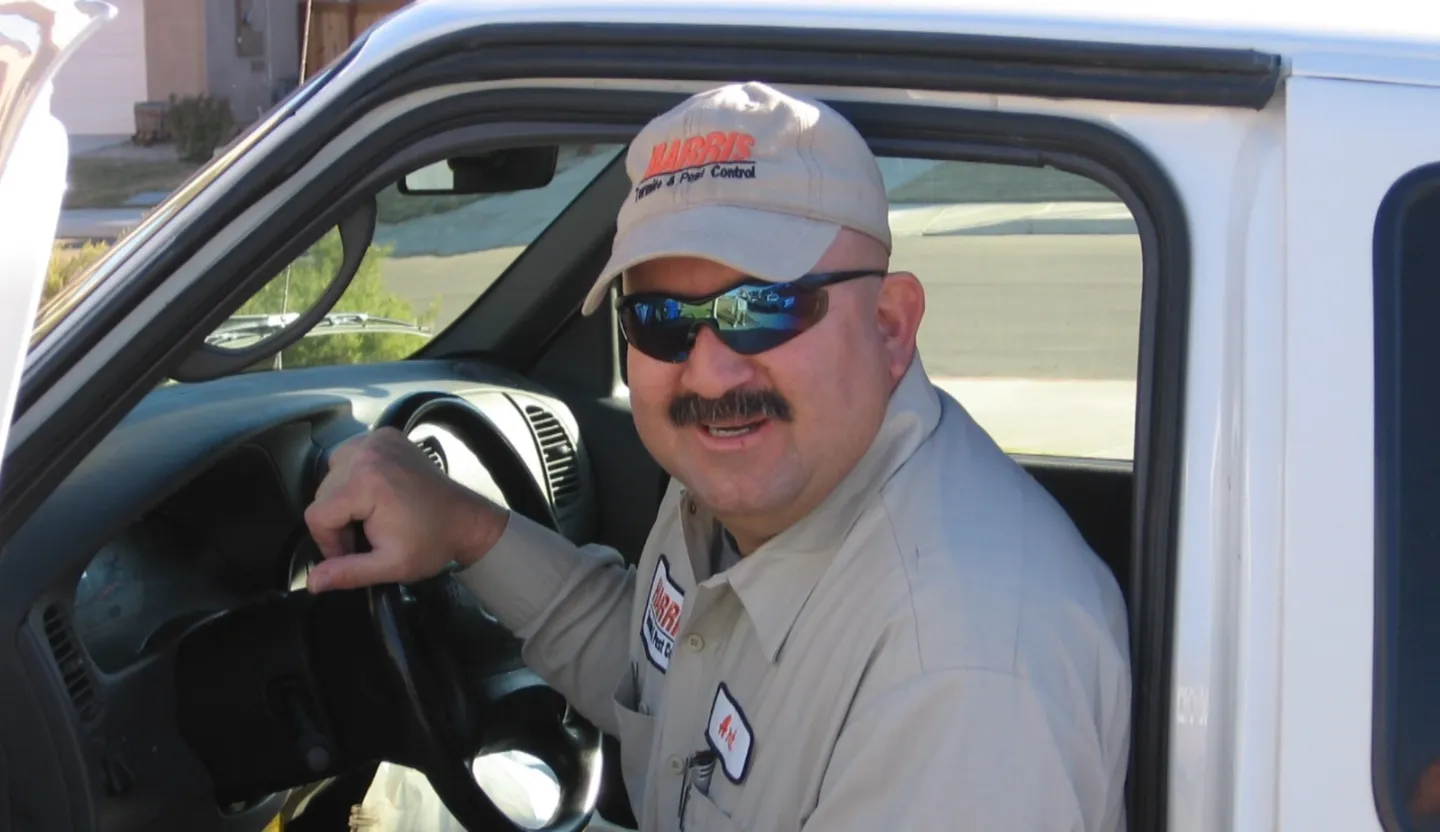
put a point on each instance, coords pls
(570, 605)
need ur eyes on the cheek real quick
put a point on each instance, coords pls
(652, 388)
(830, 377)
(806, 379)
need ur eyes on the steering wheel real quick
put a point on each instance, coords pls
(291, 688)
(456, 709)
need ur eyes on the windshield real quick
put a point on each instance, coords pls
(124, 190)
(431, 258)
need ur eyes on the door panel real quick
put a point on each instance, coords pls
(1348, 144)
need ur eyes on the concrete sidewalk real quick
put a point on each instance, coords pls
(1093, 419)
(1004, 218)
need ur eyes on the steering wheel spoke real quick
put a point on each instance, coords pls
(460, 674)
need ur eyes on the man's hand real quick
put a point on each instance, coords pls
(416, 519)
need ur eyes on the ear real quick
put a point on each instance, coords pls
(900, 308)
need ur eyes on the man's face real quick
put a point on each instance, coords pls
(763, 439)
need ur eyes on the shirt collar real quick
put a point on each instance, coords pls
(775, 581)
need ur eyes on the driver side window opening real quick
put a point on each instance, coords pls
(1037, 280)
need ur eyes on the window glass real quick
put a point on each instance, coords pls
(1407, 479)
(432, 257)
(1032, 285)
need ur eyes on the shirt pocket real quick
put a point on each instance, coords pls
(637, 734)
(703, 815)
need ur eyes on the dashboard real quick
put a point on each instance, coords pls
(235, 528)
(194, 504)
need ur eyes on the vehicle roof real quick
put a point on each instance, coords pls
(1385, 28)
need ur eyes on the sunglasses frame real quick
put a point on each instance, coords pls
(813, 281)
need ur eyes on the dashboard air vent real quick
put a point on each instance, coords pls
(562, 464)
(433, 451)
(71, 663)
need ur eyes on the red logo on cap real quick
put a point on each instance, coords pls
(669, 157)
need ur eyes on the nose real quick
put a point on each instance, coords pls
(712, 369)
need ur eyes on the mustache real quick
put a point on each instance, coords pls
(736, 405)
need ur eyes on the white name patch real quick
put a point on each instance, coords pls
(661, 623)
(729, 735)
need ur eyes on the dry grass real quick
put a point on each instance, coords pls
(101, 182)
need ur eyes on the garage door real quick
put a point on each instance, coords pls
(96, 90)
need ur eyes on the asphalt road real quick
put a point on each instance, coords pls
(1028, 306)
(1019, 306)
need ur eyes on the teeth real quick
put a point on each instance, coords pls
(725, 432)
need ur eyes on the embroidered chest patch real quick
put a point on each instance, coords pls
(661, 623)
(729, 735)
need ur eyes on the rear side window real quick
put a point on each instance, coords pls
(1406, 754)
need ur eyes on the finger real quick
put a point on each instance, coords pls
(351, 572)
(389, 433)
(330, 484)
(329, 520)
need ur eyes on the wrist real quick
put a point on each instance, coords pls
(482, 526)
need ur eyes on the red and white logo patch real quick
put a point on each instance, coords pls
(729, 735)
(661, 624)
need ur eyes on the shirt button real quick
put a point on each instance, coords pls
(677, 765)
(696, 642)
(692, 506)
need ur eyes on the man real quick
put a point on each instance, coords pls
(854, 612)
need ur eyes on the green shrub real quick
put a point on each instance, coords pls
(300, 285)
(200, 123)
(66, 264)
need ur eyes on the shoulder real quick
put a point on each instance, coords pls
(996, 575)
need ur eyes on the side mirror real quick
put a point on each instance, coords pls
(495, 172)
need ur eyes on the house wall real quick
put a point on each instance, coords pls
(175, 48)
(97, 87)
(249, 81)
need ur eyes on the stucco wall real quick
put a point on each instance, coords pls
(248, 81)
(97, 88)
(175, 47)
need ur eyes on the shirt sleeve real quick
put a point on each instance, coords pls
(569, 604)
(971, 749)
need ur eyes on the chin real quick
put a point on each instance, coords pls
(746, 496)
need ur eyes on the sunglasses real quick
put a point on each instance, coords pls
(750, 317)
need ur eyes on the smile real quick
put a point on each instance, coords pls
(726, 431)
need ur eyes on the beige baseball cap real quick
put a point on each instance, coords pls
(748, 176)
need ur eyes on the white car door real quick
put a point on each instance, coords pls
(35, 38)
(1357, 708)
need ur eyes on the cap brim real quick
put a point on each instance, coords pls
(765, 244)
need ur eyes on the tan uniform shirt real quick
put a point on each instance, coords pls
(934, 647)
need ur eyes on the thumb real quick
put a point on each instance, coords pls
(350, 572)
